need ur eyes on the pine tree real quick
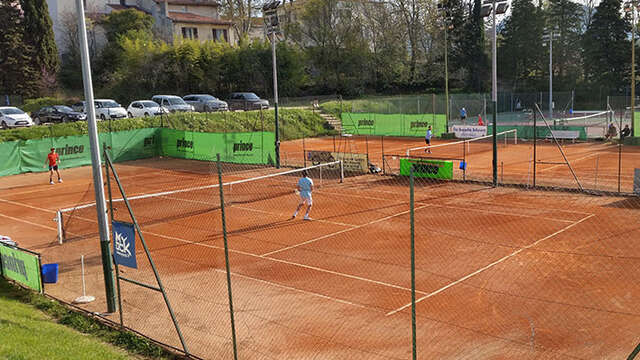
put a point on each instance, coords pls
(17, 74)
(38, 34)
(606, 48)
(521, 55)
(565, 17)
(474, 46)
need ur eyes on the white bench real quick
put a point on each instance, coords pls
(564, 134)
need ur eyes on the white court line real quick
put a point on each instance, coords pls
(284, 262)
(30, 223)
(281, 214)
(339, 232)
(27, 205)
(462, 208)
(490, 265)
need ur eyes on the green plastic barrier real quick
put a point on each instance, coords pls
(9, 158)
(240, 148)
(21, 266)
(393, 124)
(636, 124)
(526, 132)
(434, 169)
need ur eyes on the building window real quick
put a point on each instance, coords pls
(189, 33)
(220, 35)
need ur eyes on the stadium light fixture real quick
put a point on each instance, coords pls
(631, 8)
(491, 7)
(442, 8)
(272, 29)
(550, 35)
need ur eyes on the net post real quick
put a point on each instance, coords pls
(535, 143)
(226, 257)
(342, 171)
(59, 226)
(382, 141)
(413, 264)
(107, 164)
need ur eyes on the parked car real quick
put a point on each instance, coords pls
(145, 108)
(57, 113)
(105, 109)
(206, 103)
(246, 101)
(12, 117)
(172, 103)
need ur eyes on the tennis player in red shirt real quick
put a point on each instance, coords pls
(52, 159)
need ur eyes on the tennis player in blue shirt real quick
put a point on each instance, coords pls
(427, 139)
(305, 187)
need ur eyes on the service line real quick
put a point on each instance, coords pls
(490, 265)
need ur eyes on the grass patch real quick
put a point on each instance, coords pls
(294, 124)
(28, 332)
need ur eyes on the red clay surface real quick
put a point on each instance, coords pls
(501, 273)
(594, 163)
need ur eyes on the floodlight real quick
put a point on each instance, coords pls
(501, 8)
(486, 9)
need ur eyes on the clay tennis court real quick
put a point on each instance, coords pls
(500, 272)
(598, 165)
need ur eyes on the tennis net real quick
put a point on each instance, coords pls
(600, 119)
(167, 206)
(459, 150)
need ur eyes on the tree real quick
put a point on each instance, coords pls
(18, 73)
(566, 18)
(69, 75)
(472, 47)
(520, 55)
(606, 47)
(38, 33)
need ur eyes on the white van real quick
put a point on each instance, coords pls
(172, 103)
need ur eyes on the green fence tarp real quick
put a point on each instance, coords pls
(74, 151)
(9, 158)
(526, 132)
(393, 124)
(240, 148)
(424, 168)
(636, 124)
(21, 266)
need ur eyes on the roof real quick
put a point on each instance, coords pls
(118, 7)
(190, 2)
(186, 17)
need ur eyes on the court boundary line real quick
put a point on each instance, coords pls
(462, 208)
(268, 255)
(504, 258)
(30, 223)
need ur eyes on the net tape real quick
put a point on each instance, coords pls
(467, 142)
(187, 207)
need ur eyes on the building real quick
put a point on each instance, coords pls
(174, 19)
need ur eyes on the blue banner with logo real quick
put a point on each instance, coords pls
(124, 244)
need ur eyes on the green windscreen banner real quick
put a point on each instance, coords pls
(9, 158)
(425, 168)
(21, 266)
(393, 124)
(242, 148)
(239, 148)
(636, 124)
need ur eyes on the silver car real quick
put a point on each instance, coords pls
(206, 103)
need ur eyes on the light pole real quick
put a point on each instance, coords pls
(494, 7)
(272, 28)
(631, 8)
(550, 36)
(442, 7)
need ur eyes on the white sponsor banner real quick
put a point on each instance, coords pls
(468, 131)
